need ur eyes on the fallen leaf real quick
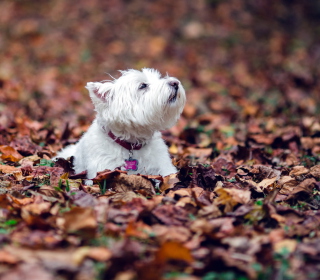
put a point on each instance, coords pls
(125, 196)
(6, 257)
(18, 175)
(107, 174)
(303, 190)
(138, 229)
(173, 251)
(231, 197)
(100, 254)
(122, 183)
(78, 219)
(210, 211)
(28, 271)
(25, 146)
(267, 182)
(169, 181)
(81, 198)
(315, 171)
(288, 245)
(298, 171)
(36, 208)
(10, 154)
(173, 233)
(9, 169)
(170, 214)
(200, 153)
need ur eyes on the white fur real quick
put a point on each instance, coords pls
(132, 114)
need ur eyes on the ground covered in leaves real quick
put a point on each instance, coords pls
(245, 203)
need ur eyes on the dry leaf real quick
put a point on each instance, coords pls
(288, 245)
(97, 253)
(169, 181)
(10, 154)
(79, 219)
(6, 257)
(173, 251)
(173, 233)
(315, 171)
(231, 197)
(125, 196)
(9, 169)
(298, 171)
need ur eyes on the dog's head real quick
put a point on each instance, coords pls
(138, 103)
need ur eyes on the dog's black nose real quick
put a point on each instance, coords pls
(174, 84)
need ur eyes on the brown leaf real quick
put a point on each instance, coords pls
(25, 146)
(18, 202)
(201, 154)
(49, 193)
(219, 227)
(55, 174)
(37, 235)
(170, 215)
(303, 190)
(6, 257)
(65, 164)
(315, 171)
(289, 245)
(9, 169)
(78, 219)
(36, 208)
(107, 174)
(264, 184)
(210, 211)
(28, 271)
(298, 171)
(121, 183)
(138, 229)
(152, 177)
(173, 233)
(169, 181)
(81, 198)
(100, 254)
(231, 197)
(267, 182)
(125, 196)
(173, 251)
(10, 154)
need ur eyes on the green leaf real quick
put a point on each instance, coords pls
(46, 162)
(67, 186)
(11, 222)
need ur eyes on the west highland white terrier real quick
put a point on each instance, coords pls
(131, 111)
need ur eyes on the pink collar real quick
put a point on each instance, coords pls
(127, 145)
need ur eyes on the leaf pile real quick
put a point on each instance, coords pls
(245, 203)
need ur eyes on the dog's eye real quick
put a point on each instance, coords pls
(142, 86)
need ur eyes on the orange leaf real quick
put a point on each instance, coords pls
(10, 154)
(8, 169)
(173, 251)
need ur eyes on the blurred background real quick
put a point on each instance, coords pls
(248, 66)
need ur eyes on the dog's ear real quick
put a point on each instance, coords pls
(101, 90)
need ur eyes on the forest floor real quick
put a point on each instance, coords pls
(245, 203)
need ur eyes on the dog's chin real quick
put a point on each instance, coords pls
(173, 97)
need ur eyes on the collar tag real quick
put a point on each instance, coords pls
(131, 164)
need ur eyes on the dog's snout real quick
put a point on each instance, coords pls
(174, 84)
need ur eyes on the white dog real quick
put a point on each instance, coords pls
(130, 112)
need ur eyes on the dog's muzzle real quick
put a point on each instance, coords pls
(175, 86)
